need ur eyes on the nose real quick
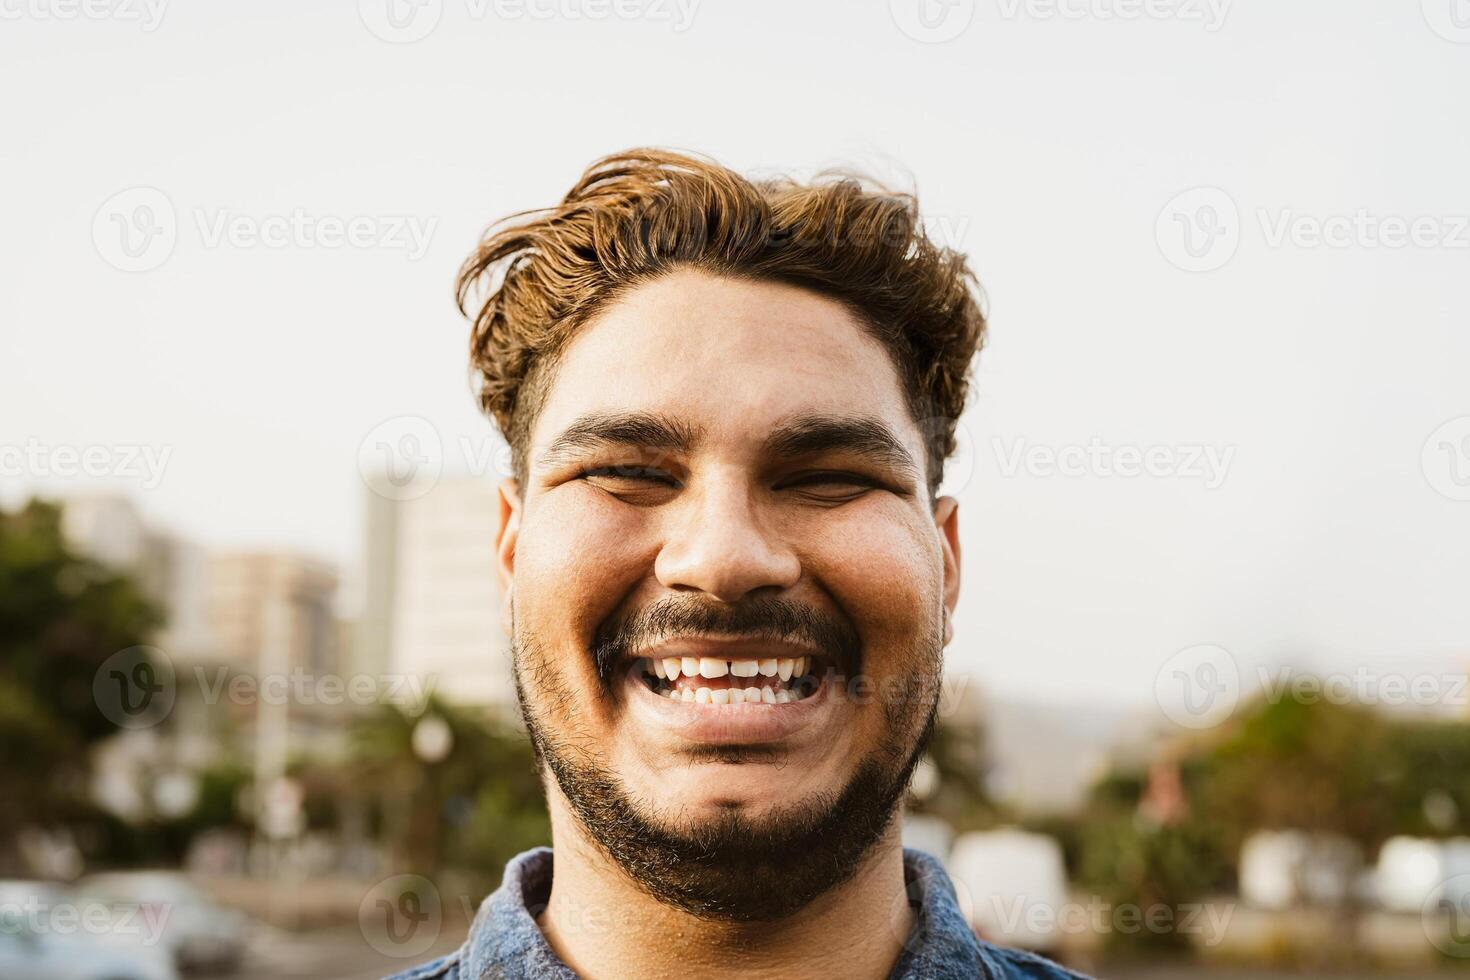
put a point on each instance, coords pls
(718, 544)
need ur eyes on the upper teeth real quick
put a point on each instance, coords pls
(674, 667)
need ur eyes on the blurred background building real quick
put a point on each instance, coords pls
(431, 603)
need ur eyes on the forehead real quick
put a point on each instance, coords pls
(730, 357)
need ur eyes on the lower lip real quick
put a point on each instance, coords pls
(727, 724)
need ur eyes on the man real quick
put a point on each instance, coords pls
(727, 574)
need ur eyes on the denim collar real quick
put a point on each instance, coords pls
(506, 944)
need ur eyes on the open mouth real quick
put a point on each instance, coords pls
(716, 680)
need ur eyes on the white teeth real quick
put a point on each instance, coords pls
(671, 668)
(719, 695)
(801, 666)
(752, 695)
(737, 696)
(784, 667)
(768, 667)
(710, 667)
(702, 695)
(686, 695)
(690, 666)
(672, 694)
(745, 668)
(768, 696)
(783, 696)
(658, 669)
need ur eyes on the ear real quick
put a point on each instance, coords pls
(947, 519)
(507, 533)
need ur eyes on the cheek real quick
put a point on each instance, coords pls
(884, 569)
(575, 562)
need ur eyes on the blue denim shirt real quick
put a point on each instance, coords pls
(506, 944)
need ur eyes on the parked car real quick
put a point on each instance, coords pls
(200, 934)
(34, 946)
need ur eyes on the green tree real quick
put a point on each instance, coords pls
(61, 616)
(475, 808)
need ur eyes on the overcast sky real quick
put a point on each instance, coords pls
(1235, 231)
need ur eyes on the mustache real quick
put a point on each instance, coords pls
(767, 618)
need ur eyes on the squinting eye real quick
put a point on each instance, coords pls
(628, 476)
(831, 487)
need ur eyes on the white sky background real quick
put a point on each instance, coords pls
(1052, 143)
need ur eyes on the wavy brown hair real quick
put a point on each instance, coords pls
(638, 215)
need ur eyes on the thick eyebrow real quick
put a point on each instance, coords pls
(643, 430)
(860, 435)
(802, 435)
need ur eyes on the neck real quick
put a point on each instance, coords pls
(602, 925)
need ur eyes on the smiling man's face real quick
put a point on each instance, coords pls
(728, 589)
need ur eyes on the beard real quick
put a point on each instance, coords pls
(735, 867)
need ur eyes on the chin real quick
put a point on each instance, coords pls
(754, 787)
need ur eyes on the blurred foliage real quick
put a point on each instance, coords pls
(1309, 765)
(960, 798)
(61, 616)
(474, 809)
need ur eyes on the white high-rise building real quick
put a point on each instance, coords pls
(431, 604)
